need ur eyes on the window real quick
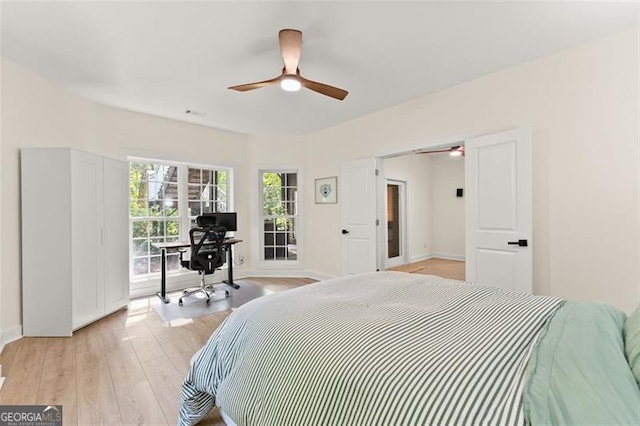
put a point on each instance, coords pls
(207, 192)
(164, 202)
(280, 215)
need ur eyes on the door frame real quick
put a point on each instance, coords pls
(402, 215)
(381, 201)
(446, 142)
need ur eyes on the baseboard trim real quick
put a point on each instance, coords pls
(420, 257)
(11, 335)
(178, 284)
(172, 286)
(294, 273)
(448, 256)
(320, 276)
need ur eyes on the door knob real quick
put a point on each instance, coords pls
(345, 232)
(520, 243)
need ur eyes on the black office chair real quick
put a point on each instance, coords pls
(207, 255)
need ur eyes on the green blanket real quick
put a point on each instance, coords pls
(578, 373)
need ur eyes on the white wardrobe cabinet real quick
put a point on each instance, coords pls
(75, 228)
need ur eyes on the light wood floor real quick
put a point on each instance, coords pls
(439, 267)
(127, 368)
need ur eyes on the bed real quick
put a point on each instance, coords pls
(392, 348)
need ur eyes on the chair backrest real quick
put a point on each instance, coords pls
(207, 248)
(206, 220)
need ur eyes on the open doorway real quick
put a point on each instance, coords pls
(493, 213)
(434, 220)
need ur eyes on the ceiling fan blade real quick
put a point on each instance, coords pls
(323, 89)
(257, 85)
(290, 47)
(434, 151)
(449, 150)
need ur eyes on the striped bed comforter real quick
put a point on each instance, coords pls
(387, 348)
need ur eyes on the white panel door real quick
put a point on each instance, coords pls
(86, 237)
(116, 232)
(358, 199)
(498, 210)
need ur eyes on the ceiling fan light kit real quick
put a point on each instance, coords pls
(290, 79)
(290, 83)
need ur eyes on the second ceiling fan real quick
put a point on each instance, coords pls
(290, 79)
(454, 151)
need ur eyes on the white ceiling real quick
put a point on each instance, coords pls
(163, 58)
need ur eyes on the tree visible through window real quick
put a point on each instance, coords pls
(154, 214)
(161, 210)
(207, 192)
(280, 215)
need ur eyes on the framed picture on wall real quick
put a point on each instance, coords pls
(327, 190)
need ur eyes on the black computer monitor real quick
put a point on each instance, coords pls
(228, 219)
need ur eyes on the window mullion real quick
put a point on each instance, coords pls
(183, 203)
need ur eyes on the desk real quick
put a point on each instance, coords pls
(162, 294)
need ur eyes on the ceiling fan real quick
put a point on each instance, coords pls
(290, 79)
(454, 151)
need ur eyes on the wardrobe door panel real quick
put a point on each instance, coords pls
(116, 243)
(87, 237)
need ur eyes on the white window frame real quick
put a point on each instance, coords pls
(183, 188)
(281, 264)
(143, 284)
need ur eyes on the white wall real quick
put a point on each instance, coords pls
(415, 170)
(39, 113)
(583, 107)
(447, 210)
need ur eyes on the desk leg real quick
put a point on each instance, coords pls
(163, 278)
(229, 281)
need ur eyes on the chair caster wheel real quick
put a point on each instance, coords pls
(180, 302)
(208, 301)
